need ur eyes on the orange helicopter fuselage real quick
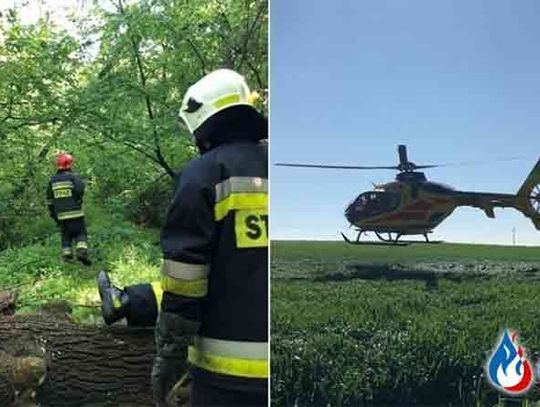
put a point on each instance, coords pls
(416, 208)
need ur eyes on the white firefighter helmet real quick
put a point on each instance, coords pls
(213, 93)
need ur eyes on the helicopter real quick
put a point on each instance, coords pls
(412, 205)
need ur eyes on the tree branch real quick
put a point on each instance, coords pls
(198, 55)
(250, 31)
(142, 77)
(255, 72)
(34, 122)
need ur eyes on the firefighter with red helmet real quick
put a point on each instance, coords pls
(65, 194)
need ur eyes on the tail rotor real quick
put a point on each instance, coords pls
(529, 195)
(534, 199)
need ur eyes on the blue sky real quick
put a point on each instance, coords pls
(454, 80)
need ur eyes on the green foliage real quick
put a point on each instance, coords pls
(150, 205)
(110, 95)
(338, 339)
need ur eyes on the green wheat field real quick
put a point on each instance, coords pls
(414, 325)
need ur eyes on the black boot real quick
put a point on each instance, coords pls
(143, 306)
(82, 256)
(114, 301)
(67, 253)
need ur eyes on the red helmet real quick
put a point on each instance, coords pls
(64, 161)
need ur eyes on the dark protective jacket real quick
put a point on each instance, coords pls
(215, 248)
(65, 195)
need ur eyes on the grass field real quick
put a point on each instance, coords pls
(44, 282)
(413, 325)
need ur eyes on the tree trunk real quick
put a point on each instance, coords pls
(80, 365)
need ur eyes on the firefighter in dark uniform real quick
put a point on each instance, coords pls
(214, 277)
(65, 194)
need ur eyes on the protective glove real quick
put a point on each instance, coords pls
(180, 393)
(174, 334)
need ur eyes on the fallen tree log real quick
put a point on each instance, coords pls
(83, 364)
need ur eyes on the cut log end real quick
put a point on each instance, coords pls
(8, 300)
(66, 364)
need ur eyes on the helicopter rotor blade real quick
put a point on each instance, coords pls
(403, 166)
(417, 167)
(338, 167)
(485, 162)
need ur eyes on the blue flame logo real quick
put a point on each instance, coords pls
(508, 370)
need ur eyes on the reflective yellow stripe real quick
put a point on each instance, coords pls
(252, 368)
(62, 185)
(184, 271)
(66, 250)
(189, 288)
(227, 100)
(240, 184)
(116, 303)
(235, 201)
(158, 292)
(62, 193)
(228, 348)
(81, 245)
(70, 215)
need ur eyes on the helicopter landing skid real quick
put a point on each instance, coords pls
(422, 242)
(357, 242)
(389, 239)
(408, 242)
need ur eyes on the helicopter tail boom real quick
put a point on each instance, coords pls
(527, 199)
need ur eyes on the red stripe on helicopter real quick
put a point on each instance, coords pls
(440, 200)
(408, 216)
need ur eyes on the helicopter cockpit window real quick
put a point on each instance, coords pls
(374, 202)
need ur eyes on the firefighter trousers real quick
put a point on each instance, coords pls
(74, 232)
(205, 394)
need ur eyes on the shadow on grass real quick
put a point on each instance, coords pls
(390, 272)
